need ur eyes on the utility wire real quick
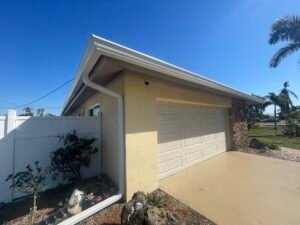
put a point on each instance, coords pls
(3, 100)
(46, 95)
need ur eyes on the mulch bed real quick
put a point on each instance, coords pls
(53, 201)
(184, 214)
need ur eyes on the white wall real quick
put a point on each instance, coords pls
(24, 140)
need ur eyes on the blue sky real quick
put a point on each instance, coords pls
(41, 42)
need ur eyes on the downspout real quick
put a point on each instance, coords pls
(109, 201)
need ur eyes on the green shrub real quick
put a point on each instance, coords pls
(69, 159)
(257, 126)
(30, 181)
(155, 199)
(292, 128)
(256, 144)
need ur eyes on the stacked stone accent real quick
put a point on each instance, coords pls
(238, 125)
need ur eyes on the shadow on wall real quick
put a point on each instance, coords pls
(173, 121)
(24, 140)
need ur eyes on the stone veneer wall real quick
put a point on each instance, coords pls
(238, 125)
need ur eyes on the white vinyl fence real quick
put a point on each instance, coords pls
(24, 140)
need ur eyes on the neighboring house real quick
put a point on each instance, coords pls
(157, 119)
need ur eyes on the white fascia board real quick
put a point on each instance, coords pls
(87, 62)
(98, 46)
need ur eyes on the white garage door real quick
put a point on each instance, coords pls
(188, 134)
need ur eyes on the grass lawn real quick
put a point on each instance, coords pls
(267, 135)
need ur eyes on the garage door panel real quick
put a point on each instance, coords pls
(169, 127)
(188, 135)
(192, 141)
(189, 158)
(168, 118)
(210, 150)
(167, 136)
(222, 147)
(170, 165)
(167, 156)
(192, 131)
(192, 149)
(209, 137)
(214, 142)
(169, 146)
(221, 135)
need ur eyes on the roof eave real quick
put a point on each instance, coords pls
(98, 46)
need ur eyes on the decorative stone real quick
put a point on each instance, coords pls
(60, 204)
(138, 206)
(90, 197)
(74, 209)
(75, 202)
(238, 125)
(138, 212)
(98, 199)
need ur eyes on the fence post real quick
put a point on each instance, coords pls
(10, 134)
(11, 121)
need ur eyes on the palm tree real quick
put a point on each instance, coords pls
(40, 112)
(275, 100)
(286, 103)
(285, 29)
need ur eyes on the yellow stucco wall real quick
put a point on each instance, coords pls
(141, 136)
(140, 124)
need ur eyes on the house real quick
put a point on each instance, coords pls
(157, 119)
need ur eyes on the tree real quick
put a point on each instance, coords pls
(295, 112)
(254, 112)
(75, 154)
(30, 181)
(27, 111)
(40, 112)
(275, 100)
(285, 29)
(286, 102)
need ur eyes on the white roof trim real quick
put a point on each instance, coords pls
(98, 46)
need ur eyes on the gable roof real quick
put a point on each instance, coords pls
(98, 47)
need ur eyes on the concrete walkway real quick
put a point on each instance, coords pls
(237, 188)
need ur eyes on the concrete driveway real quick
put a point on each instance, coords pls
(237, 188)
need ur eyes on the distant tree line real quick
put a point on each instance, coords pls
(40, 112)
(284, 109)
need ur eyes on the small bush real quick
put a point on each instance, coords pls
(292, 128)
(256, 144)
(69, 159)
(257, 126)
(155, 199)
(30, 181)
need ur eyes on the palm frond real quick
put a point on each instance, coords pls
(266, 104)
(272, 97)
(285, 29)
(286, 84)
(293, 94)
(284, 52)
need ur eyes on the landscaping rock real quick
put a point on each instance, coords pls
(156, 216)
(75, 202)
(131, 214)
(138, 212)
(238, 125)
(283, 154)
